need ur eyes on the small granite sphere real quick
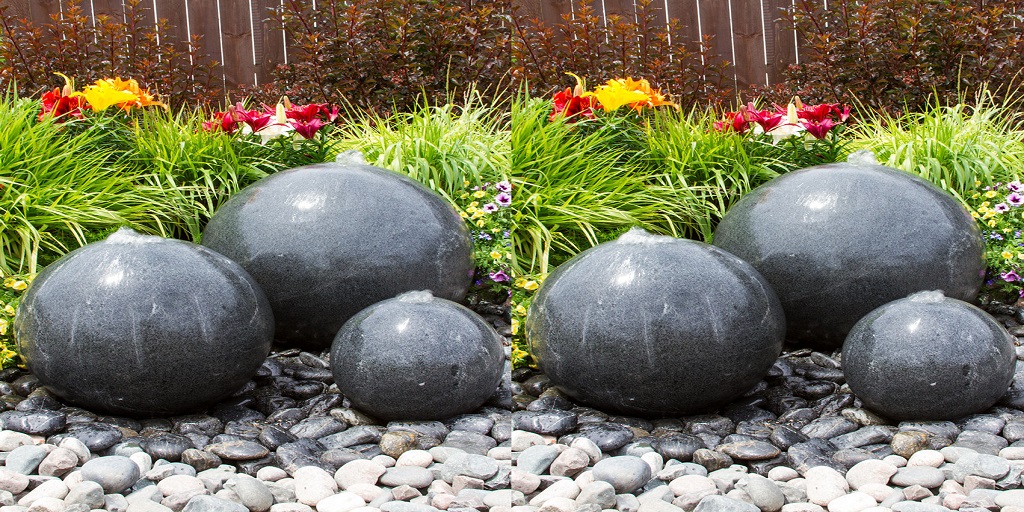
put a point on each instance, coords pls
(656, 326)
(417, 357)
(325, 241)
(141, 325)
(836, 241)
(928, 357)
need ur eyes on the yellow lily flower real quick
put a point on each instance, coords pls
(614, 94)
(103, 94)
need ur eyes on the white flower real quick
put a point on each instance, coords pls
(784, 131)
(273, 131)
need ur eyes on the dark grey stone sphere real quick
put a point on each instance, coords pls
(141, 325)
(836, 241)
(654, 325)
(325, 241)
(928, 357)
(417, 357)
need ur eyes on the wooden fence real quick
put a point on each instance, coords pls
(747, 33)
(237, 34)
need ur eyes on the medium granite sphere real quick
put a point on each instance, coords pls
(928, 357)
(654, 325)
(836, 241)
(325, 241)
(417, 357)
(141, 325)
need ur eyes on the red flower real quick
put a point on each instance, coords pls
(818, 128)
(305, 113)
(223, 121)
(571, 102)
(734, 121)
(816, 113)
(766, 118)
(307, 128)
(844, 114)
(256, 119)
(332, 114)
(57, 105)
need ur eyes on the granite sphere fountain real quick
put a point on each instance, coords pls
(417, 357)
(702, 320)
(839, 240)
(141, 325)
(928, 357)
(327, 240)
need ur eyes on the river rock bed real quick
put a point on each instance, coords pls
(800, 441)
(286, 442)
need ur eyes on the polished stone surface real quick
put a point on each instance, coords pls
(836, 241)
(928, 357)
(325, 241)
(417, 357)
(141, 325)
(654, 325)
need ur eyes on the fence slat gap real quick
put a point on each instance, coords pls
(156, 28)
(284, 37)
(764, 40)
(124, 12)
(700, 37)
(668, 30)
(255, 62)
(732, 45)
(796, 39)
(220, 29)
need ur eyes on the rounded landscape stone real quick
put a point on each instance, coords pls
(928, 357)
(327, 240)
(142, 325)
(700, 319)
(417, 357)
(839, 240)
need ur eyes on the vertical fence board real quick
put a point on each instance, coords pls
(529, 9)
(203, 19)
(748, 38)
(714, 16)
(236, 33)
(271, 51)
(623, 8)
(552, 10)
(686, 12)
(112, 8)
(781, 43)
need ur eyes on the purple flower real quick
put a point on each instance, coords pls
(996, 236)
(499, 276)
(507, 234)
(484, 236)
(1015, 199)
(1000, 208)
(503, 186)
(490, 208)
(1015, 186)
(1010, 276)
(503, 199)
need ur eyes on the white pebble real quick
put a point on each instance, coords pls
(421, 458)
(385, 460)
(871, 471)
(341, 502)
(854, 502)
(933, 458)
(359, 471)
(895, 460)
(313, 484)
(47, 505)
(825, 484)
(782, 474)
(271, 474)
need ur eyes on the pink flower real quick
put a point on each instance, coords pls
(499, 276)
(503, 199)
(503, 186)
(308, 128)
(489, 208)
(1010, 276)
(1015, 199)
(819, 129)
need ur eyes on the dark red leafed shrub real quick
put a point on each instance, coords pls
(642, 47)
(31, 53)
(378, 54)
(895, 54)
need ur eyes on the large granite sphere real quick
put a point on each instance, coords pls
(325, 241)
(417, 357)
(836, 241)
(928, 357)
(141, 325)
(654, 325)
